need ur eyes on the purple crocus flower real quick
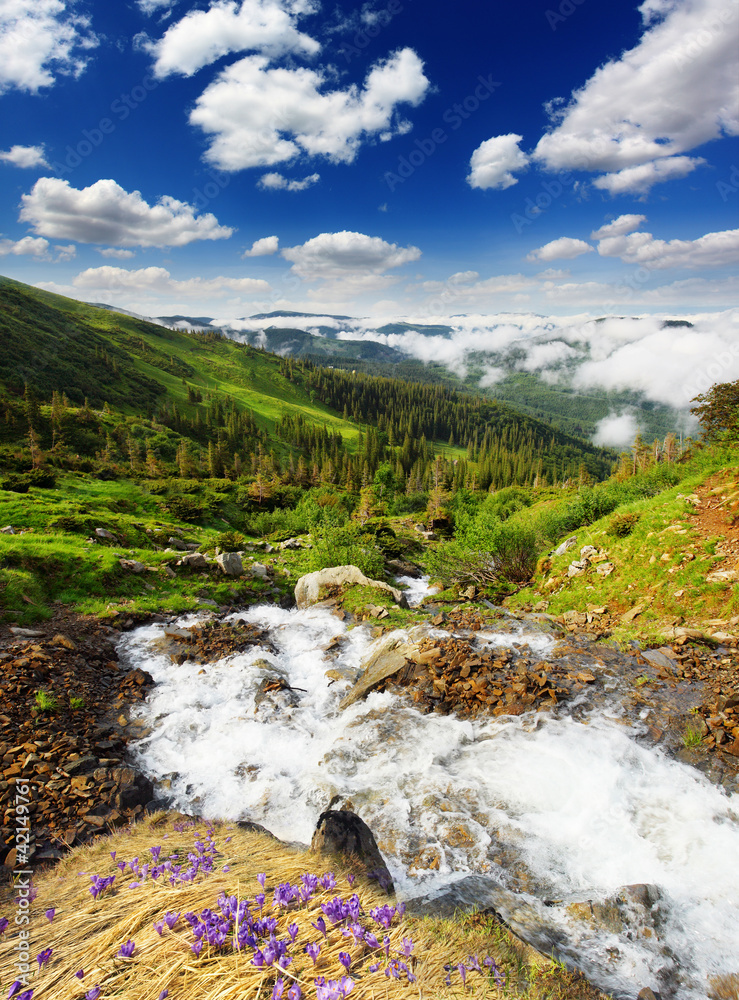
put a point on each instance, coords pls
(126, 950)
(171, 919)
(197, 947)
(113, 854)
(408, 947)
(163, 995)
(351, 879)
(320, 925)
(386, 943)
(462, 969)
(3, 925)
(295, 992)
(293, 931)
(261, 878)
(80, 973)
(346, 960)
(43, 957)
(93, 994)
(14, 989)
(278, 989)
(314, 951)
(49, 914)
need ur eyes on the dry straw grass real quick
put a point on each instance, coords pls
(86, 933)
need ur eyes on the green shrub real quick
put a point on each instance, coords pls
(76, 703)
(231, 541)
(186, 507)
(503, 555)
(623, 524)
(346, 545)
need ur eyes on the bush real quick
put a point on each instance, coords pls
(623, 524)
(503, 555)
(42, 479)
(186, 507)
(231, 541)
(347, 545)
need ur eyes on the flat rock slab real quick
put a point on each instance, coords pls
(387, 656)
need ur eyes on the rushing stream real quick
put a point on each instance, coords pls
(552, 807)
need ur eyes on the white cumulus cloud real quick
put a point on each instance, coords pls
(263, 248)
(105, 213)
(25, 157)
(115, 253)
(259, 116)
(712, 250)
(157, 279)
(493, 162)
(276, 182)
(623, 224)
(565, 248)
(203, 36)
(675, 90)
(339, 255)
(40, 39)
(640, 179)
(27, 246)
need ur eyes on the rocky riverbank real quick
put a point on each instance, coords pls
(64, 729)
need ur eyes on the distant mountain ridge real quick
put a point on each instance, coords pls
(412, 351)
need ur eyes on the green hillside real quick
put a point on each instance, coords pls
(96, 385)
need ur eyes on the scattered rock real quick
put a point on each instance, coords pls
(577, 567)
(605, 569)
(568, 544)
(629, 616)
(106, 535)
(194, 560)
(259, 570)
(132, 565)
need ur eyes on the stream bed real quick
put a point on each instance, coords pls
(550, 809)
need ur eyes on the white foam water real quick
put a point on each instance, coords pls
(416, 589)
(562, 809)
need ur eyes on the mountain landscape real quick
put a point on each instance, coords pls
(152, 471)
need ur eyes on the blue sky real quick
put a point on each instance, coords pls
(393, 159)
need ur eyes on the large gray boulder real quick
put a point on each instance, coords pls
(308, 587)
(230, 563)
